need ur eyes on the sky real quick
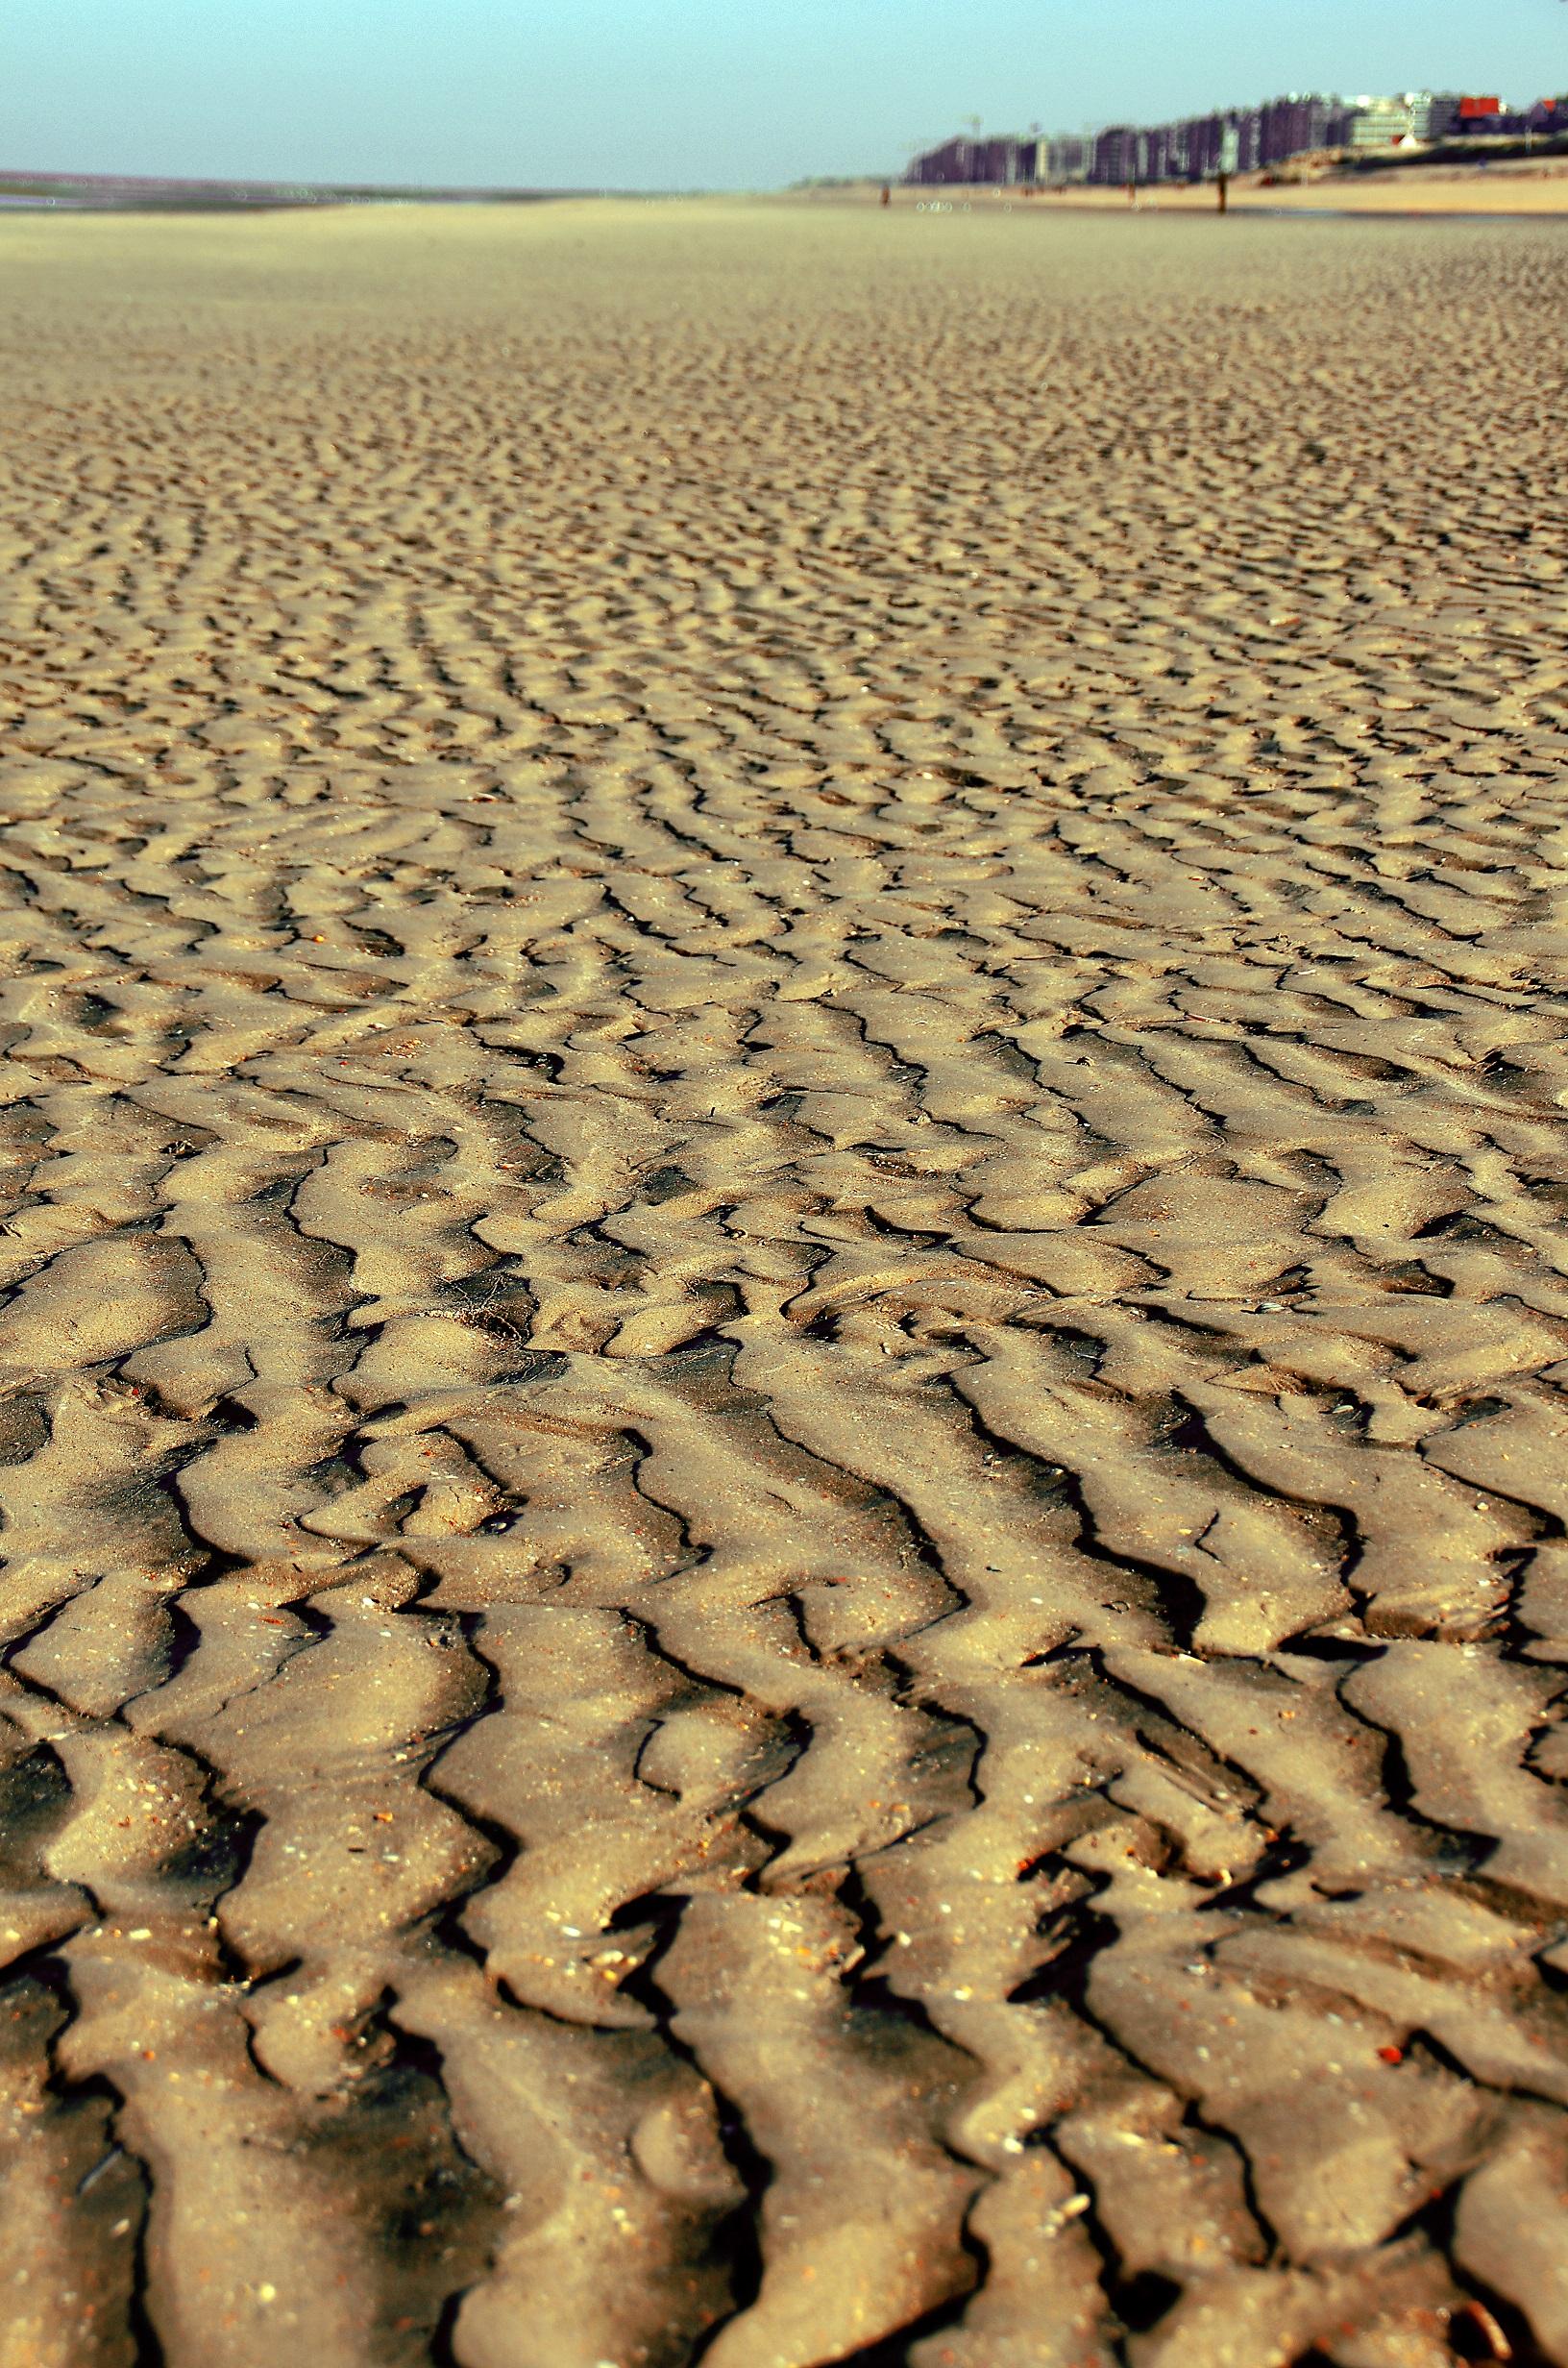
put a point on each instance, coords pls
(659, 94)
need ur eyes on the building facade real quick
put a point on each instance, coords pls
(1434, 113)
(1068, 158)
(949, 165)
(1295, 125)
(1379, 123)
(998, 164)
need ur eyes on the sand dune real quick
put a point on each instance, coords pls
(785, 1082)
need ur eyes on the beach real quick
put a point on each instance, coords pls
(1504, 189)
(784, 1080)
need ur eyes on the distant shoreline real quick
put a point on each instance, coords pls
(131, 193)
(1492, 192)
(1499, 191)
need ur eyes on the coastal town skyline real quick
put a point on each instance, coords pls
(651, 94)
(1225, 141)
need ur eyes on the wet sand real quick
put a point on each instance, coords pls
(785, 1369)
(1503, 189)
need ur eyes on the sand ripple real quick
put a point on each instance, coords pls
(784, 1373)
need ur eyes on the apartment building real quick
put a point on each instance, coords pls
(950, 164)
(1378, 123)
(1068, 158)
(998, 163)
(1295, 125)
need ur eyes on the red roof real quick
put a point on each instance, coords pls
(1470, 108)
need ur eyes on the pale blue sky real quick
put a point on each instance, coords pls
(685, 94)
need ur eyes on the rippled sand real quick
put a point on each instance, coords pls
(784, 1378)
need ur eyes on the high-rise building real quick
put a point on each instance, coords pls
(1295, 125)
(1379, 123)
(996, 162)
(1069, 155)
(1433, 112)
(940, 167)
(989, 164)
(1119, 156)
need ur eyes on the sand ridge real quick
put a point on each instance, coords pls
(784, 1369)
